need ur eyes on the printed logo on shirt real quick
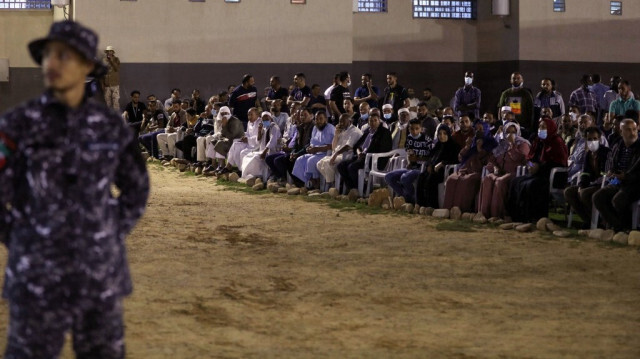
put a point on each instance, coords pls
(516, 105)
(247, 96)
(7, 147)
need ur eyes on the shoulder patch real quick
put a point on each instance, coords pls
(7, 147)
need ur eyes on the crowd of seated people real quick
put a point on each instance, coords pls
(499, 164)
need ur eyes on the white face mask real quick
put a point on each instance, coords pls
(348, 83)
(468, 80)
(593, 145)
(214, 113)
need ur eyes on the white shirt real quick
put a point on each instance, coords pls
(348, 137)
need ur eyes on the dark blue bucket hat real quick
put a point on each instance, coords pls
(78, 37)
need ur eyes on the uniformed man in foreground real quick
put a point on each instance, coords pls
(60, 155)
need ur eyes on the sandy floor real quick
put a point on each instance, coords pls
(220, 274)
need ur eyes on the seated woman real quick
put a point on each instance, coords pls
(580, 197)
(512, 151)
(445, 152)
(461, 187)
(528, 199)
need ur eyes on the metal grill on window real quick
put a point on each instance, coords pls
(372, 5)
(558, 6)
(25, 4)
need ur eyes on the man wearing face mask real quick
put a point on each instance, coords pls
(520, 101)
(387, 114)
(580, 197)
(583, 97)
(364, 115)
(578, 147)
(467, 98)
(339, 94)
(548, 98)
(623, 171)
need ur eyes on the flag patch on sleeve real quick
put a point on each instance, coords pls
(7, 147)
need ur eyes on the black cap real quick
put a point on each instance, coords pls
(78, 37)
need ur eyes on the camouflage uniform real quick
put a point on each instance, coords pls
(64, 229)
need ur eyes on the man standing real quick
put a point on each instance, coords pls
(111, 81)
(394, 94)
(339, 94)
(301, 93)
(467, 98)
(625, 101)
(433, 102)
(277, 92)
(583, 98)
(64, 230)
(548, 98)
(367, 92)
(520, 101)
(243, 98)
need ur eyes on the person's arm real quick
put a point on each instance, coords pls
(115, 63)
(8, 169)
(132, 180)
(334, 109)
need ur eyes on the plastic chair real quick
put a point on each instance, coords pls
(448, 170)
(397, 159)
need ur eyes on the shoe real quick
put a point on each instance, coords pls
(223, 171)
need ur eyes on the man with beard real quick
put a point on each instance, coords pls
(305, 168)
(548, 97)
(520, 101)
(243, 98)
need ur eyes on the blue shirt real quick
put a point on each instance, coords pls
(242, 99)
(363, 91)
(322, 137)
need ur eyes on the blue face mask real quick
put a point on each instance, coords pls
(364, 117)
(542, 134)
(387, 116)
(266, 123)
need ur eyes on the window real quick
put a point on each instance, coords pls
(616, 8)
(558, 6)
(444, 9)
(372, 5)
(25, 4)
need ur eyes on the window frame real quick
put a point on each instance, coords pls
(559, 6)
(615, 8)
(383, 5)
(473, 13)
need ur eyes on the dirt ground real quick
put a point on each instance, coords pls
(222, 274)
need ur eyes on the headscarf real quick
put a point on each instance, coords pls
(503, 145)
(554, 148)
(217, 125)
(488, 142)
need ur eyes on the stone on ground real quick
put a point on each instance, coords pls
(304, 191)
(467, 216)
(607, 235)
(282, 190)
(258, 187)
(273, 187)
(634, 238)
(429, 211)
(561, 233)
(377, 197)
(596, 233)
(455, 213)
(552, 227)
(621, 238)
(507, 226)
(416, 209)
(233, 177)
(408, 207)
(479, 218)
(315, 194)
(353, 195)
(493, 220)
(542, 224)
(527, 227)
(333, 192)
(441, 213)
(325, 195)
(293, 192)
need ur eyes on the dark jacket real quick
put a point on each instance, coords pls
(590, 175)
(632, 173)
(380, 142)
(233, 130)
(64, 222)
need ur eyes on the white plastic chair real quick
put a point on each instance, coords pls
(448, 170)
(397, 159)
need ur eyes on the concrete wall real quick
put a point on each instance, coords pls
(585, 32)
(17, 28)
(396, 36)
(252, 31)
